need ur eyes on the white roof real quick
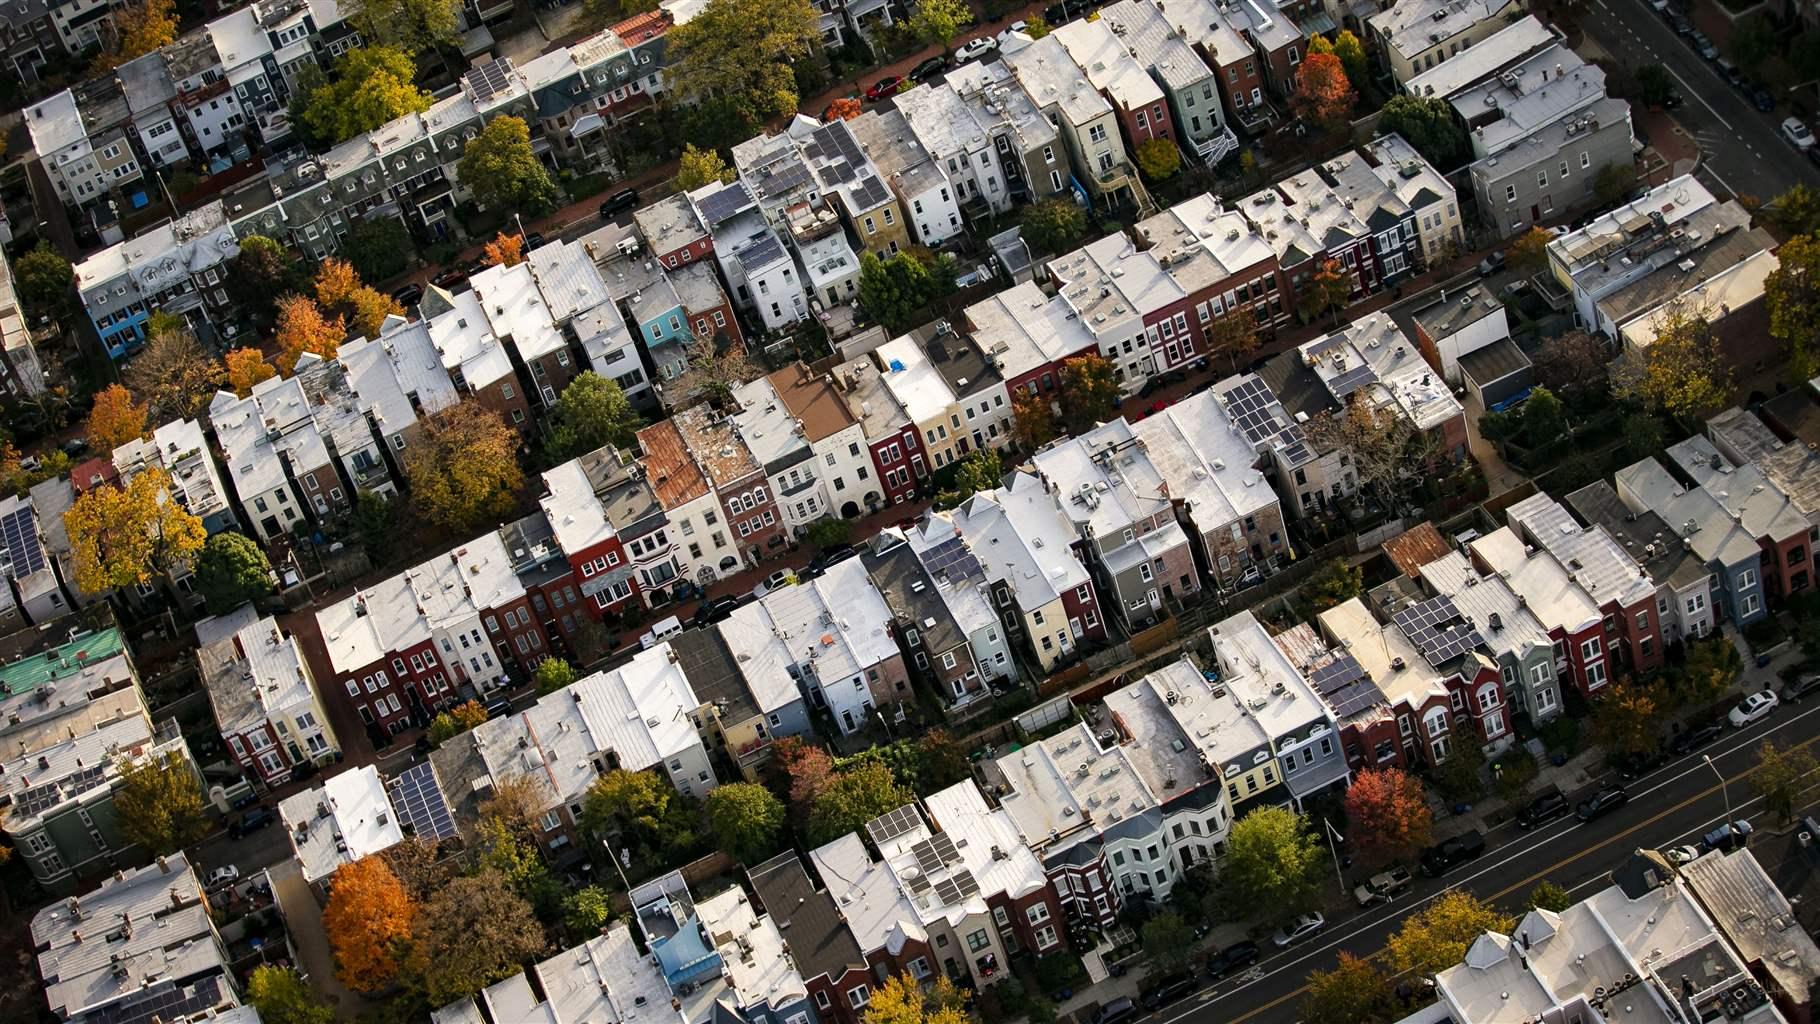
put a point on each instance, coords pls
(1206, 224)
(1053, 79)
(568, 279)
(1521, 37)
(344, 819)
(764, 660)
(1206, 460)
(1018, 535)
(1412, 26)
(1050, 797)
(1167, 763)
(388, 372)
(988, 843)
(516, 309)
(1204, 22)
(1109, 282)
(965, 596)
(1697, 517)
(766, 424)
(943, 122)
(754, 958)
(1103, 481)
(239, 40)
(1023, 329)
(54, 124)
(870, 902)
(463, 337)
(1107, 62)
(252, 670)
(1403, 380)
(1543, 88)
(1376, 648)
(1155, 44)
(1733, 288)
(1481, 597)
(1599, 565)
(1257, 671)
(915, 382)
(605, 981)
(574, 511)
(1540, 579)
(862, 620)
(1754, 501)
(1406, 172)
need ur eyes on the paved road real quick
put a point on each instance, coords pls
(1676, 804)
(1741, 150)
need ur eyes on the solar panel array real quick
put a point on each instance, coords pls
(721, 206)
(1255, 407)
(490, 79)
(163, 1001)
(1438, 630)
(892, 824)
(43, 798)
(19, 531)
(1346, 686)
(935, 852)
(760, 251)
(952, 559)
(869, 193)
(785, 177)
(1352, 380)
(419, 803)
(961, 886)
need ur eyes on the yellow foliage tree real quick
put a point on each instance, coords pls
(901, 1000)
(122, 537)
(1437, 937)
(368, 919)
(246, 367)
(142, 28)
(464, 469)
(1682, 371)
(368, 309)
(336, 282)
(302, 327)
(115, 418)
(505, 250)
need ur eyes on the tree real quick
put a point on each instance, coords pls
(1428, 124)
(1681, 371)
(1234, 336)
(174, 375)
(369, 309)
(1388, 451)
(1351, 52)
(246, 367)
(504, 250)
(1780, 777)
(1272, 856)
(281, 997)
(844, 109)
(138, 30)
(1336, 582)
(1797, 211)
(602, 13)
(902, 1000)
(45, 280)
(158, 803)
(367, 919)
(1354, 992)
(943, 760)
(741, 51)
(114, 418)
(1089, 389)
(372, 85)
(745, 819)
(1323, 96)
(1158, 159)
(1032, 421)
(469, 713)
(978, 470)
(1754, 40)
(1655, 86)
(1053, 225)
(474, 932)
(1544, 417)
(937, 22)
(698, 167)
(586, 911)
(710, 373)
(335, 283)
(499, 168)
(232, 570)
(378, 247)
(1387, 816)
(853, 798)
(302, 328)
(1792, 295)
(264, 271)
(1436, 937)
(464, 468)
(1613, 182)
(807, 770)
(552, 674)
(593, 412)
(1549, 896)
(1571, 362)
(895, 291)
(828, 532)
(1168, 941)
(412, 26)
(641, 814)
(1328, 290)
(121, 537)
(1626, 720)
(1529, 253)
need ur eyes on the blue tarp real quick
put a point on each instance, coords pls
(685, 956)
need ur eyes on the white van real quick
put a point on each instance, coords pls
(661, 630)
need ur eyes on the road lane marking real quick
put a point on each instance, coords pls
(1695, 93)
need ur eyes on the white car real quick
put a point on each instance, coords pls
(1753, 707)
(1298, 929)
(975, 48)
(1682, 854)
(221, 876)
(1796, 132)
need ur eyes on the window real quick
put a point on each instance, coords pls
(858, 996)
(919, 968)
(822, 1001)
(1510, 193)
(1642, 622)
(1038, 913)
(1046, 938)
(978, 941)
(1747, 579)
(1097, 133)
(1590, 649)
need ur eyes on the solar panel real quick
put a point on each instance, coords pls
(760, 251)
(786, 178)
(892, 824)
(969, 886)
(926, 856)
(490, 79)
(1346, 686)
(20, 532)
(1438, 630)
(162, 1001)
(723, 205)
(1351, 380)
(951, 559)
(39, 798)
(869, 193)
(943, 845)
(419, 803)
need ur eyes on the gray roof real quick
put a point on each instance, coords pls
(1494, 362)
(913, 599)
(1449, 316)
(820, 941)
(713, 674)
(1645, 535)
(1748, 907)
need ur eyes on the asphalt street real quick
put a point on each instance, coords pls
(1741, 150)
(1676, 804)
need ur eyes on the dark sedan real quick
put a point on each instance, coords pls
(1602, 803)
(927, 69)
(1233, 957)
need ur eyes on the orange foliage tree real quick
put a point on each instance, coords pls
(367, 919)
(302, 328)
(505, 250)
(336, 282)
(844, 109)
(246, 367)
(1323, 95)
(1387, 816)
(115, 418)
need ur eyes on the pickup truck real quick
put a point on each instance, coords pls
(1383, 886)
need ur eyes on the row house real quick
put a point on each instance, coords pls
(1685, 602)
(878, 913)
(1228, 508)
(1104, 56)
(706, 546)
(961, 583)
(29, 40)
(1138, 314)
(652, 308)
(277, 459)
(1427, 193)
(476, 361)
(1396, 244)
(521, 318)
(1699, 522)
(740, 670)
(892, 441)
(822, 946)
(346, 818)
(602, 566)
(1124, 518)
(1028, 335)
(1371, 360)
(1237, 66)
(984, 420)
(578, 301)
(1309, 477)
(1511, 634)
(180, 267)
(1228, 740)
(1088, 124)
(930, 196)
(949, 132)
(1601, 567)
(1412, 36)
(1273, 35)
(591, 981)
(1758, 505)
(1023, 544)
(1789, 465)
(924, 395)
(1574, 621)
(397, 379)
(1337, 231)
(1187, 82)
(549, 582)
(1452, 643)
(811, 177)
(1221, 262)
(1301, 730)
(21, 371)
(924, 627)
(1026, 145)
(673, 230)
(776, 440)
(248, 52)
(757, 967)
(752, 257)
(213, 121)
(708, 310)
(834, 638)
(180, 448)
(34, 591)
(835, 436)
(1495, 54)
(359, 452)
(737, 478)
(150, 96)
(83, 139)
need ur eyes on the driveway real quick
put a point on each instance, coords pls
(304, 918)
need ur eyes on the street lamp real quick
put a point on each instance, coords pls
(1334, 837)
(1723, 791)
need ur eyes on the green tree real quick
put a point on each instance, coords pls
(829, 531)
(412, 26)
(373, 521)
(158, 803)
(978, 470)
(1158, 159)
(1549, 896)
(1036, 27)
(1792, 292)
(698, 167)
(372, 85)
(1272, 855)
(937, 22)
(499, 168)
(1614, 181)
(593, 412)
(1351, 52)
(264, 271)
(552, 674)
(745, 820)
(602, 13)
(1168, 941)
(281, 997)
(1089, 388)
(896, 290)
(1053, 225)
(1754, 40)
(741, 51)
(586, 911)
(1796, 211)
(853, 798)
(1336, 582)
(1436, 937)
(1544, 417)
(1780, 776)
(379, 248)
(1354, 992)
(1428, 124)
(1654, 84)
(642, 812)
(232, 570)
(45, 280)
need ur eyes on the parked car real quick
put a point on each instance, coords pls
(1547, 806)
(1383, 886)
(1635, 766)
(975, 48)
(828, 556)
(1754, 707)
(1696, 736)
(223, 875)
(882, 88)
(1727, 836)
(1728, 71)
(1438, 859)
(1605, 801)
(499, 707)
(1067, 10)
(1165, 990)
(1659, 6)
(1703, 45)
(1761, 98)
(1682, 854)
(409, 295)
(533, 240)
(1233, 957)
(1801, 687)
(619, 202)
(1491, 264)
(1297, 930)
(714, 610)
(661, 630)
(927, 69)
(450, 279)
(1680, 24)
(74, 446)
(1015, 28)
(1796, 132)
(252, 821)
(1116, 1012)
(780, 578)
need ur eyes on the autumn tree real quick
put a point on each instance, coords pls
(412, 26)
(844, 109)
(1351, 52)
(367, 919)
(139, 29)
(1323, 96)
(1387, 816)
(335, 283)
(302, 327)
(476, 931)
(853, 798)
(745, 820)
(1234, 336)
(552, 674)
(502, 172)
(1032, 420)
(698, 167)
(122, 537)
(173, 374)
(1780, 777)
(1089, 388)
(371, 86)
(1681, 371)
(1529, 252)
(901, 999)
(1271, 855)
(806, 770)
(464, 468)
(710, 373)
(114, 418)
(158, 803)
(416, 860)
(1626, 719)
(1792, 295)
(1437, 936)
(937, 22)
(342, 294)
(505, 250)
(45, 280)
(1326, 291)
(1571, 362)
(1053, 225)
(232, 570)
(281, 997)
(1353, 992)
(1389, 452)
(1159, 159)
